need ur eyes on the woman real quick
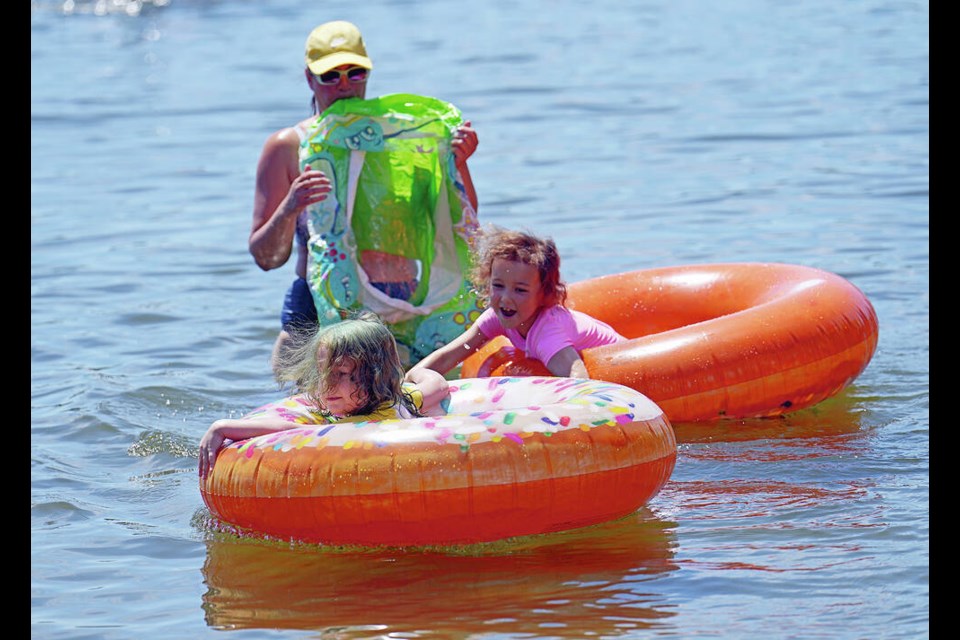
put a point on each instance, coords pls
(337, 67)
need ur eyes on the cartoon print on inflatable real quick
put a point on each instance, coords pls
(396, 189)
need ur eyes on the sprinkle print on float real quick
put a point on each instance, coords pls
(512, 457)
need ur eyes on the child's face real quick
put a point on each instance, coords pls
(515, 294)
(340, 397)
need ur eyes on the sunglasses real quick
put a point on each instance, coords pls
(354, 74)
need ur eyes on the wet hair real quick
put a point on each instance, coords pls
(362, 340)
(497, 243)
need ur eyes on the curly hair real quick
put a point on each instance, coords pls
(497, 243)
(363, 341)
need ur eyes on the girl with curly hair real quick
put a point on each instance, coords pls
(519, 277)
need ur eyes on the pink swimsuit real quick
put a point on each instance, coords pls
(555, 328)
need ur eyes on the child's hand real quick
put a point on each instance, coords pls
(233, 430)
(435, 390)
(210, 444)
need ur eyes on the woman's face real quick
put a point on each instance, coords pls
(345, 81)
(342, 395)
(515, 294)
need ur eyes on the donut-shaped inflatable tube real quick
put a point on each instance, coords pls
(715, 341)
(513, 456)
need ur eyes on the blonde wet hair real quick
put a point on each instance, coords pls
(362, 340)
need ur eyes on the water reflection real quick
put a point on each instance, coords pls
(836, 416)
(776, 500)
(593, 581)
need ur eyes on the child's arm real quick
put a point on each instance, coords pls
(234, 429)
(450, 355)
(567, 363)
(435, 390)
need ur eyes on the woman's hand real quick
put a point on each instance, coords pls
(464, 143)
(282, 191)
(310, 187)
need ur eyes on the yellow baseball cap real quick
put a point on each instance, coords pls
(333, 44)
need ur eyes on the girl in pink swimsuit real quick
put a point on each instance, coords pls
(519, 277)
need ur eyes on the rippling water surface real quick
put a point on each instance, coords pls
(639, 134)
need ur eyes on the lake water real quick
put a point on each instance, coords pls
(640, 134)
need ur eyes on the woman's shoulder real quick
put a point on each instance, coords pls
(281, 149)
(303, 128)
(290, 137)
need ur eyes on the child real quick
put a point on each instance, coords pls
(519, 275)
(351, 368)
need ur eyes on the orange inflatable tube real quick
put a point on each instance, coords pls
(717, 341)
(513, 457)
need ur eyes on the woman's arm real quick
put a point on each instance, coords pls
(464, 143)
(234, 429)
(281, 193)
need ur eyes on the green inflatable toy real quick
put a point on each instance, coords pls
(396, 190)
